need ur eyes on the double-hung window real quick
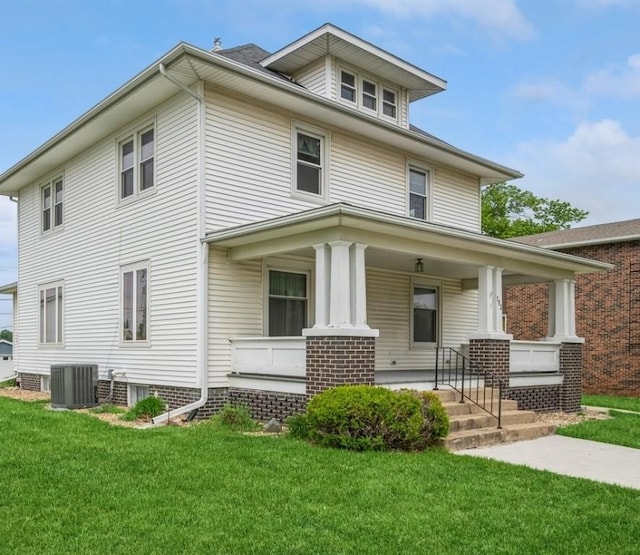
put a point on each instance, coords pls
(310, 168)
(52, 197)
(389, 103)
(348, 86)
(135, 303)
(51, 312)
(367, 95)
(419, 183)
(288, 302)
(136, 155)
(424, 314)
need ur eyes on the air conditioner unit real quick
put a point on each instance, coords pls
(74, 386)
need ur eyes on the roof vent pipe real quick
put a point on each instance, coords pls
(217, 44)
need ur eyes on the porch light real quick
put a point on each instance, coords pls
(419, 266)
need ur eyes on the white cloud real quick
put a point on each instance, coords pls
(550, 91)
(597, 169)
(501, 18)
(622, 81)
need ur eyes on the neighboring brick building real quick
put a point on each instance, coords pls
(607, 304)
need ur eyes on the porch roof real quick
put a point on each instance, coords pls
(396, 241)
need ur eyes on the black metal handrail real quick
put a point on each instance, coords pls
(455, 370)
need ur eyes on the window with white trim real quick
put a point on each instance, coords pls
(368, 95)
(310, 156)
(52, 198)
(288, 303)
(424, 314)
(137, 392)
(136, 155)
(135, 303)
(50, 313)
(418, 187)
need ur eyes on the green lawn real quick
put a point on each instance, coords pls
(613, 402)
(72, 484)
(622, 429)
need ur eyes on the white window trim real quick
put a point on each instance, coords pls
(59, 332)
(380, 87)
(142, 265)
(413, 165)
(427, 284)
(293, 266)
(51, 184)
(325, 147)
(132, 396)
(135, 134)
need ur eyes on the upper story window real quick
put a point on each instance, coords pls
(135, 302)
(310, 155)
(367, 95)
(50, 314)
(136, 155)
(419, 185)
(52, 198)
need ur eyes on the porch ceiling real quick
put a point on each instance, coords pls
(395, 242)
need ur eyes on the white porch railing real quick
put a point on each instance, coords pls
(534, 356)
(269, 356)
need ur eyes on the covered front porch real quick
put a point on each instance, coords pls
(351, 295)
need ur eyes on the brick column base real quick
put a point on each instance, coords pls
(571, 367)
(492, 356)
(333, 361)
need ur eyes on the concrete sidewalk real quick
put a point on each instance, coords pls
(569, 456)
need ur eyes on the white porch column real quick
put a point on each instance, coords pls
(562, 312)
(358, 286)
(490, 304)
(341, 291)
(323, 280)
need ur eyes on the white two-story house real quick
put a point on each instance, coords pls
(239, 225)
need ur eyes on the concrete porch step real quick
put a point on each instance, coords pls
(455, 408)
(470, 439)
(483, 420)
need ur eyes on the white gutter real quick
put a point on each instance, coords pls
(202, 287)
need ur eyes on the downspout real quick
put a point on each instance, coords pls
(202, 378)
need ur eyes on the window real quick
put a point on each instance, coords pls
(418, 193)
(347, 86)
(288, 303)
(45, 383)
(367, 95)
(310, 165)
(52, 202)
(135, 303)
(50, 313)
(136, 154)
(137, 393)
(425, 314)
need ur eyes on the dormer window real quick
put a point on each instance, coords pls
(348, 86)
(367, 95)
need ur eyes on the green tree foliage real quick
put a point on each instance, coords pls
(7, 335)
(508, 211)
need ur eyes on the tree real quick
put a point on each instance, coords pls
(508, 211)
(7, 335)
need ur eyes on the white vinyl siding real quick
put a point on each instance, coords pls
(389, 310)
(361, 172)
(314, 77)
(235, 309)
(100, 237)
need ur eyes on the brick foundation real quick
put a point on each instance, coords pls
(265, 405)
(540, 399)
(30, 382)
(334, 361)
(571, 368)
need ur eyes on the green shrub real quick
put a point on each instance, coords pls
(298, 426)
(365, 418)
(236, 418)
(8, 383)
(436, 419)
(149, 407)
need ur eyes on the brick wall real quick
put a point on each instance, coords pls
(30, 382)
(492, 356)
(607, 316)
(333, 361)
(265, 405)
(541, 399)
(571, 368)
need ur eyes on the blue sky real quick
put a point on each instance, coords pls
(549, 87)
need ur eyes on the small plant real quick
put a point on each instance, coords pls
(146, 408)
(8, 383)
(298, 426)
(236, 418)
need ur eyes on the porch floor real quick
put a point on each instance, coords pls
(421, 380)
